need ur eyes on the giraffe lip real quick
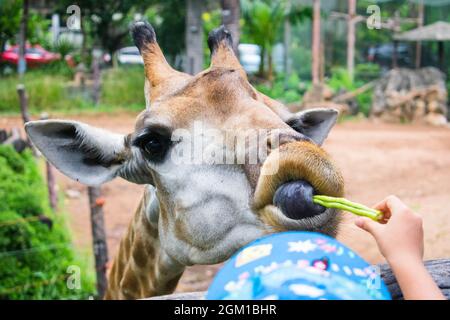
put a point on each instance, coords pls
(295, 200)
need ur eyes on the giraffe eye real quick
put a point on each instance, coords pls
(154, 145)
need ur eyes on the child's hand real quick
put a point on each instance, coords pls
(400, 233)
(399, 236)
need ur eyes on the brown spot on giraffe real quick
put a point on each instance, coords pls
(198, 207)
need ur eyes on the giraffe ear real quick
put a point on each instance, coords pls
(314, 123)
(84, 153)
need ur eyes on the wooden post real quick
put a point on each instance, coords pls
(51, 181)
(316, 42)
(231, 12)
(351, 38)
(23, 103)
(98, 238)
(51, 185)
(194, 36)
(97, 79)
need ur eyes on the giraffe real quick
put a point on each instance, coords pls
(197, 212)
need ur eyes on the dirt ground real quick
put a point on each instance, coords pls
(410, 161)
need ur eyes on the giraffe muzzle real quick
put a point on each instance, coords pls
(284, 195)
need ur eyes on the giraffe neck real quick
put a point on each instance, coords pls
(142, 268)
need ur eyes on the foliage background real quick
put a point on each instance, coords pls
(33, 256)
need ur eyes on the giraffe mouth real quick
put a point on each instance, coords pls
(295, 200)
(283, 197)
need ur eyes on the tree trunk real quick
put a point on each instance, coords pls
(420, 10)
(22, 65)
(231, 12)
(316, 42)
(287, 42)
(262, 68)
(194, 36)
(270, 66)
(441, 57)
(394, 55)
(351, 38)
(98, 238)
(396, 28)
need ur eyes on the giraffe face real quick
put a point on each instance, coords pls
(227, 164)
(218, 154)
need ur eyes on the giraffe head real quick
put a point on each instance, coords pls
(224, 160)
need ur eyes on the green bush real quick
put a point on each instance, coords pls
(341, 80)
(34, 256)
(287, 90)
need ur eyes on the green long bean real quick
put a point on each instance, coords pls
(349, 206)
(343, 201)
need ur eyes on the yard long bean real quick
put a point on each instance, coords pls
(349, 206)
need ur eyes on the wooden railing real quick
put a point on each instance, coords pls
(439, 270)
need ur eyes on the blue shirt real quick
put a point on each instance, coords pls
(297, 265)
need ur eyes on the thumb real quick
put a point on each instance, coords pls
(369, 225)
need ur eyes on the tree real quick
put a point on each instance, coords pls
(106, 22)
(264, 20)
(351, 37)
(194, 36)
(316, 43)
(169, 20)
(10, 15)
(231, 12)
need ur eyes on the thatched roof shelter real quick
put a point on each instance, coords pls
(438, 31)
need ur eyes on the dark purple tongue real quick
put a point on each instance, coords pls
(295, 200)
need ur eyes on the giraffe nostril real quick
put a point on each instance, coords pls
(295, 200)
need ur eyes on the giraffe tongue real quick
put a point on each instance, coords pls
(295, 200)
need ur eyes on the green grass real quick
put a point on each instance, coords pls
(122, 89)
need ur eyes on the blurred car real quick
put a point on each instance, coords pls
(129, 55)
(250, 57)
(34, 55)
(382, 55)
